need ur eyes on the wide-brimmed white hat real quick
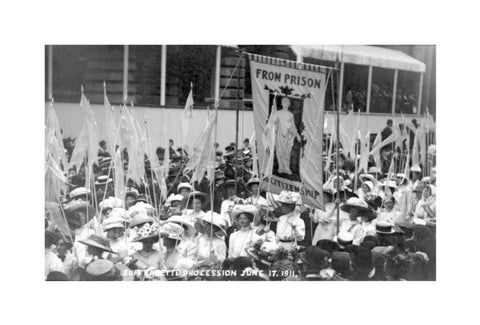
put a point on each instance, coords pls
(243, 208)
(79, 191)
(374, 169)
(174, 198)
(367, 177)
(113, 222)
(356, 203)
(215, 219)
(390, 183)
(288, 197)
(140, 218)
(416, 168)
(369, 184)
(110, 203)
(182, 221)
(171, 230)
(184, 185)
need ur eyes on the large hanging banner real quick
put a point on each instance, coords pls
(288, 106)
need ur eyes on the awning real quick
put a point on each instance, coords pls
(362, 55)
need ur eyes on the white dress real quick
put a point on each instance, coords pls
(326, 223)
(285, 234)
(239, 241)
(218, 246)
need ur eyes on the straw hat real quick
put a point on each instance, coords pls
(82, 207)
(249, 209)
(79, 192)
(215, 219)
(103, 180)
(174, 198)
(416, 169)
(98, 242)
(388, 183)
(374, 169)
(182, 221)
(110, 203)
(100, 268)
(367, 177)
(356, 203)
(253, 180)
(198, 195)
(113, 222)
(383, 227)
(172, 231)
(344, 238)
(140, 218)
(184, 185)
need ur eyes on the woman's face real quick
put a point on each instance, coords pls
(169, 242)
(287, 208)
(254, 189)
(197, 205)
(243, 221)
(115, 233)
(62, 247)
(389, 204)
(353, 213)
(365, 188)
(426, 192)
(94, 251)
(184, 192)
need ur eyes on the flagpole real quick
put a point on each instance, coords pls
(236, 122)
(337, 163)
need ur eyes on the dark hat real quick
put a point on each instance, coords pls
(230, 182)
(141, 198)
(230, 148)
(341, 262)
(373, 201)
(328, 245)
(315, 256)
(56, 276)
(98, 242)
(371, 239)
(362, 259)
(368, 244)
(356, 203)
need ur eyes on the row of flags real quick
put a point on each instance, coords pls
(357, 144)
(129, 133)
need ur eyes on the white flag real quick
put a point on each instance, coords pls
(186, 118)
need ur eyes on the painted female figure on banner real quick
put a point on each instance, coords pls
(286, 134)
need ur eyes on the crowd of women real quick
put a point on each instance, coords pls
(381, 229)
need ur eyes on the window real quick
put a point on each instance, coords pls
(355, 84)
(90, 66)
(407, 92)
(382, 90)
(146, 74)
(190, 63)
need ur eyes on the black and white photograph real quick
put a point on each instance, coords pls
(240, 162)
(268, 162)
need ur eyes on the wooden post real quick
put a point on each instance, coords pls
(50, 72)
(163, 75)
(369, 88)
(125, 72)
(420, 89)
(394, 95)
(217, 75)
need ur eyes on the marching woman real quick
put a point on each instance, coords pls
(210, 242)
(253, 187)
(187, 246)
(242, 239)
(261, 225)
(425, 211)
(147, 257)
(194, 210)
(290, 227)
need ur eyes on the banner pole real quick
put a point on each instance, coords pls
(337, 163)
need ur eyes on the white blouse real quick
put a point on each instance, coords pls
(239, 241)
